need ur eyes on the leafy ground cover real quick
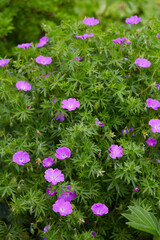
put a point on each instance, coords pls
(79, 139)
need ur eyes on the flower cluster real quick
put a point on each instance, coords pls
(116, 151)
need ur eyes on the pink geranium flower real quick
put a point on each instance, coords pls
(85, 36)
(63, 207)
(121, 41)
(158, 35)
(62, 153)
(21, 157)
(142, 62)
(25, 45)
(48, 162)
(42, 41)
(152, 103)
(54, 176)
(24, 86)
(151, 142)
(155, 125)
(49, 191)
(116, 151)
(133, 20)
(4, 62)
(67, 195)
(99, 209)
(43, 60)
(70, 104)
(91, 21)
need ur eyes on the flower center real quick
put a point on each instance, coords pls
(62, 209)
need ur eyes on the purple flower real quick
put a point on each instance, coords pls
(85, 36)
(125, 59)
(4, 62)
(158, 35)
(49, 74)
(155, 125)
(91, 21)
(133, 20)
(97, 122)
(151, 142)
(142, 62)
(64, 208)
(48, 162)
(67, 195)
(158, 160)
(158, 86)
(21, 157)
(116, 151)
(94, 234)
(42, 41)
(131, 129)
(49, 191)
(46, 228)
(62, 153)
(99, 209)
(22, 85)
(54, 176)
(43, 60)
(136, 189)
(28, 106)
(70, 104)
(125, 131)
(127, 76)
(60, 117)
(152, 103)
(119, 40)
(79, 59)
(25, 45)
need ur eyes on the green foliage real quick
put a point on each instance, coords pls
(143, 220)
(99, 83)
